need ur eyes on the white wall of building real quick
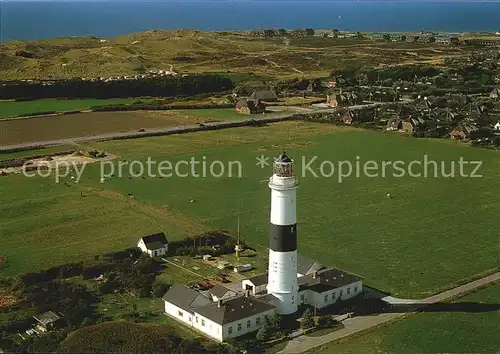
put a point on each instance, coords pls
(256, 289)
(330, 297)
(210, 328)
(152, 253)
(179, 314)
(245, 325)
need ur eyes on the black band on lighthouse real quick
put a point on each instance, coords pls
(283, 238)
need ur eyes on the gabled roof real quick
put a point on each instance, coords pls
(327, 279)
(234, 309)
(264, 95)
(306, 265)
(154, 241)
(219, 291)
(47, 318)
(185, 298)
(259, 280)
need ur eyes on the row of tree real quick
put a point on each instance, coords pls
(156, 87)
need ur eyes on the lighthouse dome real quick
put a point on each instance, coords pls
(284, 158)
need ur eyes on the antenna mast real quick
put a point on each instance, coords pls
(238, 247)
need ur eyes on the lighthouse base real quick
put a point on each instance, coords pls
(286, 303)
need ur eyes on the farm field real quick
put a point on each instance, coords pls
(412, 245)
(13, 108)
(432, 332)
(83, 124)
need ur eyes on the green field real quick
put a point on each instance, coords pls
(13, 108)
(217, 114)
(432, 332)
(434, 233)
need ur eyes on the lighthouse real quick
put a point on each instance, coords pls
(282, 272)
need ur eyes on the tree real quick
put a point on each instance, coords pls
(307, 319)
(263, 334)
(386, 37)
(159, 289)
(274, 322)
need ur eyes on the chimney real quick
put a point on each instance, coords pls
(219, 303)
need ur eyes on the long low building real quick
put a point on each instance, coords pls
(220, 320)
(223, 313)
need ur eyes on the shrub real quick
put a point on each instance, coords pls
(159, 289)
(263, 334)
(307, 319)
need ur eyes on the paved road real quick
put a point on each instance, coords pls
(362, 323)
(283, 113)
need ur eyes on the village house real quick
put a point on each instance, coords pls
(496, 127)
(394, 124)
(154, 245)
(264, 95)
(495, 94)
(250, 106)
(264, 33)
(463, 131)
(244, 91)
(303, 32)
(348, 117)
(315, 86)
(47, 321)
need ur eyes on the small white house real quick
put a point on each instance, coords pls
(496, 127)
(154, 245)
(255, 284)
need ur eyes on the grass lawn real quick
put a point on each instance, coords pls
(13, 108)
(432, 332)
(432, 234)
(44, 224)
(414, 244)
(324, 331)
(218, 114)
(37, 152)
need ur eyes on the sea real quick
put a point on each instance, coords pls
(32, 20)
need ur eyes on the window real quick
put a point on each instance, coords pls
(189, 318)
(248, 324)
(355, 289)
(326, 298)
(257, 320)
(230, 330)
(302, 298)
(348, 290)
(196, 319)
(239, 326)
(180, 313)
(341, 292)
(333, 296)
(203, 323)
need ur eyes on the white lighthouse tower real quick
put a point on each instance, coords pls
(282, 275)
